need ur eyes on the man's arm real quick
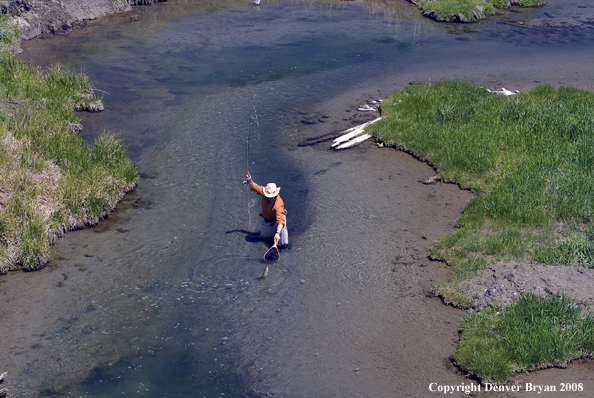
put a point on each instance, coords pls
(280, 220)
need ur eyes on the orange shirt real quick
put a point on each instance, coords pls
(274, 210)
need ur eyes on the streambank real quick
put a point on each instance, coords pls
(501, 283)
(38, 18)
(469, 11)
(52, 181)
(505, 281)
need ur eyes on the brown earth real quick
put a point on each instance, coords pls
(45, 18)
(504, 281)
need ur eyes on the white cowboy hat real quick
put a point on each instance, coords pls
(271, 190)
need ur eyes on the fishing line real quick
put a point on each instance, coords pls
(253, 120)
(272, 255)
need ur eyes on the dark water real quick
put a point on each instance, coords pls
(164, 298)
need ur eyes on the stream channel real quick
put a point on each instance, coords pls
(164, 299)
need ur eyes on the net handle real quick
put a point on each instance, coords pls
(268, 251)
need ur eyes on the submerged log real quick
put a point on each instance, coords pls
(355, 141)
(351, 134)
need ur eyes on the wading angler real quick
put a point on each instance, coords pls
(274, 219)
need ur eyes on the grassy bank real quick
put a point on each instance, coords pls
(467, 10)
(51, 181)
(531, 333)
(529, 159)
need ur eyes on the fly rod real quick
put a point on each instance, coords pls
(253, 120)
(271, 254)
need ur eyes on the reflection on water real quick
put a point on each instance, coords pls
(164, 298)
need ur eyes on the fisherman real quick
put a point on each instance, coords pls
(274, 220)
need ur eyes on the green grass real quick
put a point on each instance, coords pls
(9, 34)
(528, 157)
(530, 333)
(51, 181)
(471, 10)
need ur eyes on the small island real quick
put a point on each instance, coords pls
(467, 10)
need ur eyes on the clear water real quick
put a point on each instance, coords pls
(164, 298)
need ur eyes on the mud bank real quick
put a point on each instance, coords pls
(503, 282)
(48, 18)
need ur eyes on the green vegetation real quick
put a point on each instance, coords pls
(51, 181)
(467, 10)
(528, 157)
(530, 333)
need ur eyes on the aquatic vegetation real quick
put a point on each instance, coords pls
(51, 181)
(467, 10)
(531, 333)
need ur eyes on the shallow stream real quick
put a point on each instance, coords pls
(164, 298)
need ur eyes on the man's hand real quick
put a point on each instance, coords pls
(248, 180)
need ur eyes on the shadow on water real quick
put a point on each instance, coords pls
(250, 236)
(165, 298)
(167, 374)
